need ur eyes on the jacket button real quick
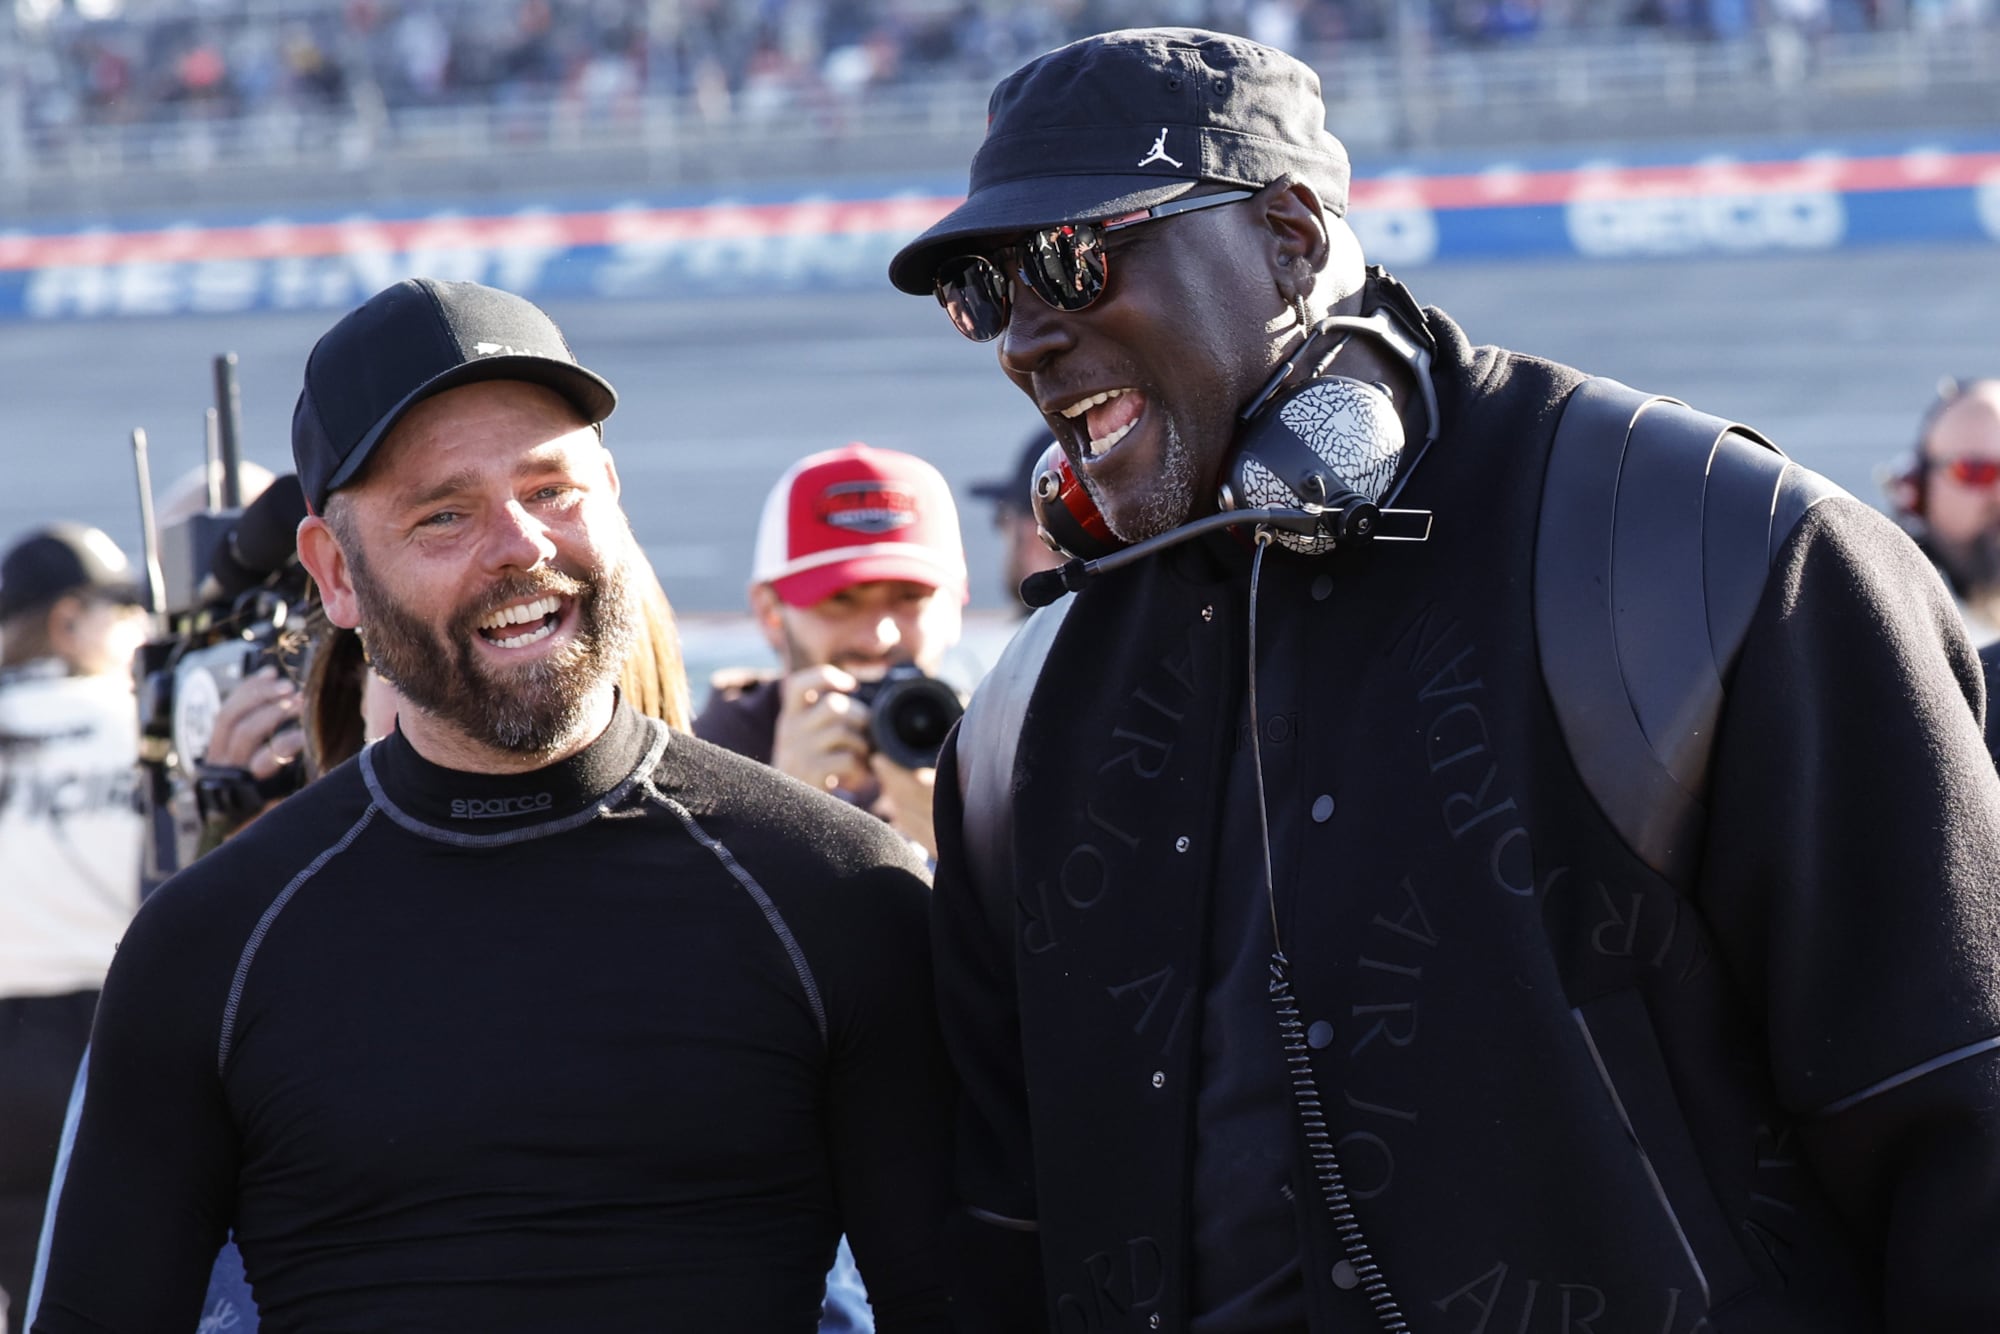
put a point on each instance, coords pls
(1181, 843)
(1208, 613)
(1319, 1035)
(1322, 587)
(1344, 1276)
(1159, 1079)
(1153, 1320)
(1322, 808)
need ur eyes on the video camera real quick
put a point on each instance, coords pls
(229, 596)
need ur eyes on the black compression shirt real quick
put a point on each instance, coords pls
(623, 1044)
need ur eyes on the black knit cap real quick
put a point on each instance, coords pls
(409, 342)
(1126, 120)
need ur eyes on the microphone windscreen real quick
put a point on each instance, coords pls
(264, 539)
(1043, 587)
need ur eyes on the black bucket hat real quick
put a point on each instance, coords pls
(408, 343)
(1127, 120)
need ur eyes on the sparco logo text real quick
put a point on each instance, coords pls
(493, 808)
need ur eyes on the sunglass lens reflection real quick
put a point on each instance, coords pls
(1065, 266)
(1974, 472)
(974, 294)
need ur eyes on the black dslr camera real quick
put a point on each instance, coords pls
(909, 714)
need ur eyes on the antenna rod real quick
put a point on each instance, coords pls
(229, 408)
(211, 472)
(149, 533)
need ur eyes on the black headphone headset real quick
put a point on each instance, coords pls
(1272, 476)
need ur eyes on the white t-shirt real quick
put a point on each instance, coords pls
(71, 832)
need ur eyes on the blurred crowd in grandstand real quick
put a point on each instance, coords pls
(95, 62)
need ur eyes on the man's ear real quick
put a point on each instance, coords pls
(768, 608)
(320, 553)
(1906, 493)
(1290, 210)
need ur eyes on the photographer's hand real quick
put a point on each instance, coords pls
(257, 727)
(906, 801)
(822, 732)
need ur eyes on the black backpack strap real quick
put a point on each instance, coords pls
(989, 736)
(1658, 528)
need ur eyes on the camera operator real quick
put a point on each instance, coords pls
(859, 575)
(70, 839)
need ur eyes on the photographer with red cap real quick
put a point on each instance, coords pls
(859, 574)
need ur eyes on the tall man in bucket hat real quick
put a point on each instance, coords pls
(1583, 916)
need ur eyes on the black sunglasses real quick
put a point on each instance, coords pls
(1066, 266)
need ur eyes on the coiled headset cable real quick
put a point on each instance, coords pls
(1359, 1259)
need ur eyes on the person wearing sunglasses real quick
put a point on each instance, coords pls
(1370, 938)
(1947, 494)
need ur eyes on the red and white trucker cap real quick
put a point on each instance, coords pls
(855, 515)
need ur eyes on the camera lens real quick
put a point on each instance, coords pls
(910, 715)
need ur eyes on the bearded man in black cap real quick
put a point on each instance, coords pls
(1583, 914)
(529, 1017)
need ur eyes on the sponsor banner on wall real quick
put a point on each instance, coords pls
(1746, 204)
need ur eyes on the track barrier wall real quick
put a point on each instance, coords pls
(1751, 201)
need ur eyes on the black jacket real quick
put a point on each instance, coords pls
(1565, 1095)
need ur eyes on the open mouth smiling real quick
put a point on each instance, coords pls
(521, 624)
(1105, 418)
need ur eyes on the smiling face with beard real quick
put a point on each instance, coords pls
(484, 558)
(527, 710)
(1142, 387)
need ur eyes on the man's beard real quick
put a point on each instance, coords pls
(1973, 568)
(1169, 500)
(529, 710)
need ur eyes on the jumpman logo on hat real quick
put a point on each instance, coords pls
(1159, 153)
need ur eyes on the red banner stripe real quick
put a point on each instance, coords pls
(1498, 187)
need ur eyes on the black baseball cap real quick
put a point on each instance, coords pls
(409, 342)
(1013, 492)
(65, 558)
(1126, 120)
